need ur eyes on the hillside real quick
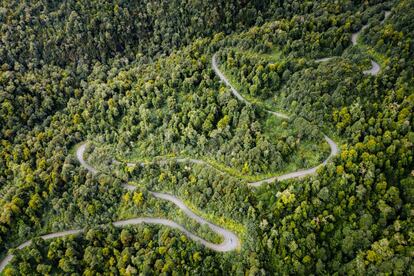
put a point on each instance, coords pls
(200, 137)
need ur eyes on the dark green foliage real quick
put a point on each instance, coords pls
(134, 78)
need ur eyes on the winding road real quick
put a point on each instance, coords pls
(230, 242)
(375, 68)
(230, 239)
(297, 174)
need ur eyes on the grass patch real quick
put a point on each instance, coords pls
(275, 55)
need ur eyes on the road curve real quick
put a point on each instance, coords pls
(297, 174)
(375, 68)
(230, 240)
(234, 91)
(79, 154)
(9, 257)
(354, 36)
(301, 173)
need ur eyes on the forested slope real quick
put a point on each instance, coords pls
(138, 86)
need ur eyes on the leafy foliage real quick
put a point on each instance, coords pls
(135, 79)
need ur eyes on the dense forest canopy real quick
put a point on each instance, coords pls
(254, 137)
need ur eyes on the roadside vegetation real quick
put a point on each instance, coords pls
(140, 87)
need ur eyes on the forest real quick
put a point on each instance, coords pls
(237, 137)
